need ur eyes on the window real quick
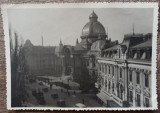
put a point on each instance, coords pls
(113, 70)
(112, 87)
(119, 53)
(105, 68)
(109, 85)
(93, 63)
(102, 67)
(138, 78)
(138, 100)
(130, 76)
(130, 96)
(87, 63)
(146, 80)
(121, 91)
(146, 102)
(106, 84)
(109, 69)
(120, 69)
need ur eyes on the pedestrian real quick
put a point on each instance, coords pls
(74, 92)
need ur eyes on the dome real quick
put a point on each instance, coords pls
(93, 27)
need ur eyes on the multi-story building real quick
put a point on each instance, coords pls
(120, 71)
(41, 60)
(125, 72)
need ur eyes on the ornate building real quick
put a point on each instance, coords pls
(120, 72)
(125, 72)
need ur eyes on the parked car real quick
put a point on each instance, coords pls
(45, 89)
(54, 96)
(40, 98)
(34, 92)
(40, 83)
(61, 103)
(80, 105)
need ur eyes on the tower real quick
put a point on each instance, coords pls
(77, 41)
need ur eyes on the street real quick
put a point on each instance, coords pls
(71, 97)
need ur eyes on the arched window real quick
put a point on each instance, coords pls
(130, 96)
(113, 71)
(106, 83)
(109, 85)
(120, 69)
(138, 100)
(138, 77)
(130, 76)
(108, 69)
(146, 80)
(119, 51)
(146, 102)
(113, 87)
(105, 68)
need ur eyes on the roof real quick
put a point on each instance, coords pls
(147, 43)
(79, 47)
(93, 27)
(98, 45)
(28, 43)
(112, 48)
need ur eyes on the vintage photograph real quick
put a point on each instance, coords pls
(100, 56)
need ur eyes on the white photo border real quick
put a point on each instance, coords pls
(153, 5)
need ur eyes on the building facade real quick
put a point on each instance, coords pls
(125, 72)
(41, 60)
(121, 72)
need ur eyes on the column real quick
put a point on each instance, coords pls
(126, 84)
(134, 82)
(116, 75)
(142, 86)
(142, 93)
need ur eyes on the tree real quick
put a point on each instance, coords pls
(17, 70)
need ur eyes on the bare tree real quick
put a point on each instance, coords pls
(17, 70)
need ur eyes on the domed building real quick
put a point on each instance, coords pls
(96, 63)
(92, 30)
(93, 40)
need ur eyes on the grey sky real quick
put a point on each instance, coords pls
(66, 24)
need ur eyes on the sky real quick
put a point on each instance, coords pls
(66, 24)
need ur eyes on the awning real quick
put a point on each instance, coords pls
(103, 97)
